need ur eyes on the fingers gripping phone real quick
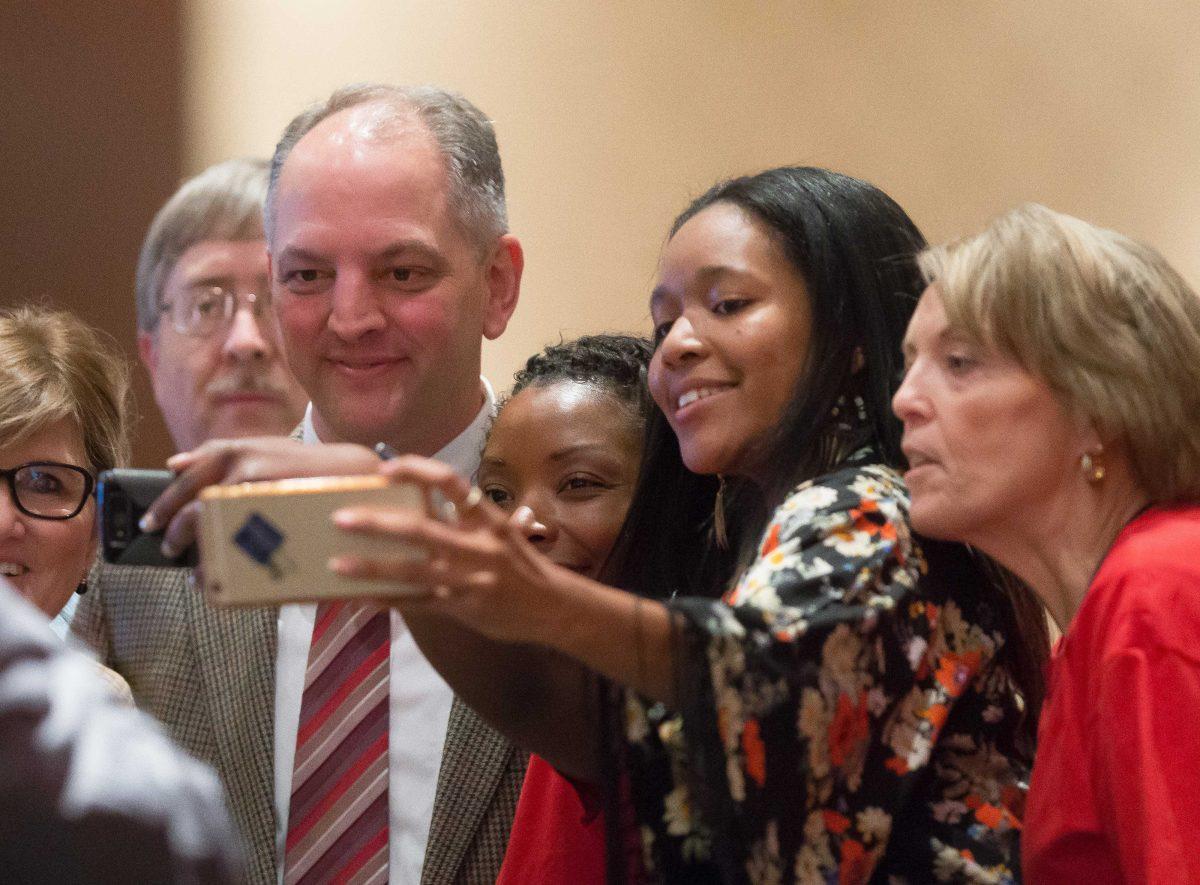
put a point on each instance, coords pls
(123, 495)
(265, 542)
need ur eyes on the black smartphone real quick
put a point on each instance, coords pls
(122, 496)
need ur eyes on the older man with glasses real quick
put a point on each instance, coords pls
(206, 331)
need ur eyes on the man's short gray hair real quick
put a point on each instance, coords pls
(463, 133)
(224, 202)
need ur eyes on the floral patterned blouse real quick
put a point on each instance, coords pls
(843, 712)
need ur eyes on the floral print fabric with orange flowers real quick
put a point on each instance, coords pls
(845, 715)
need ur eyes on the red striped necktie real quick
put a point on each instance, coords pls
(338, 818)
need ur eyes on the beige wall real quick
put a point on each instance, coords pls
(611, 115)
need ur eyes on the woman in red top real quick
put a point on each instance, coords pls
(1051, 413)
(562, 458)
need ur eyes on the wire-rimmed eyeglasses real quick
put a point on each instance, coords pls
(205, 310)
(48, 489)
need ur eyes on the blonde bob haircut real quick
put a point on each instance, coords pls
(53, 367)
(1103, 320)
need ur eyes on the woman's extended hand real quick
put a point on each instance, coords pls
(480, 568)
(482, 572)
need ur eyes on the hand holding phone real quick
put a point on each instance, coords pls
(238, 461)
(123, 495)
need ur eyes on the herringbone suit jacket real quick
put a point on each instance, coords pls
(209, 675)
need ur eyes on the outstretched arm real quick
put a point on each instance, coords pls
(538, 699)
(514, 634)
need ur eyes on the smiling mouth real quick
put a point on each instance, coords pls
(364, 365)
(12, 569)
(697, 394)
(248, 397)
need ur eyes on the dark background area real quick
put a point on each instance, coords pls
(92, 143)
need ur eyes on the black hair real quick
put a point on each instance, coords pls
(616, 363)
(855, 250)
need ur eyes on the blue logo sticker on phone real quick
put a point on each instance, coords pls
(259, 540)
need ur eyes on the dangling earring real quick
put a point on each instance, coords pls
(840, 413)
(81, 587)
(720, 535)
(1092, 471)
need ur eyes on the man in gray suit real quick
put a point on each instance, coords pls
(390, 261)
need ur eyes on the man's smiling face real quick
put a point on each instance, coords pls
(383, 299)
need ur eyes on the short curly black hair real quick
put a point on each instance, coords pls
(616, 363)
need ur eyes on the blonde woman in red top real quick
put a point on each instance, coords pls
(1051, 414)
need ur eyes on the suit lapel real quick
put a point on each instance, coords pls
(235, 656)
(473, 763)
(235, 650)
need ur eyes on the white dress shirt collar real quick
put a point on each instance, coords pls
(462, 452)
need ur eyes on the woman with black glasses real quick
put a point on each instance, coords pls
(62, 420)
